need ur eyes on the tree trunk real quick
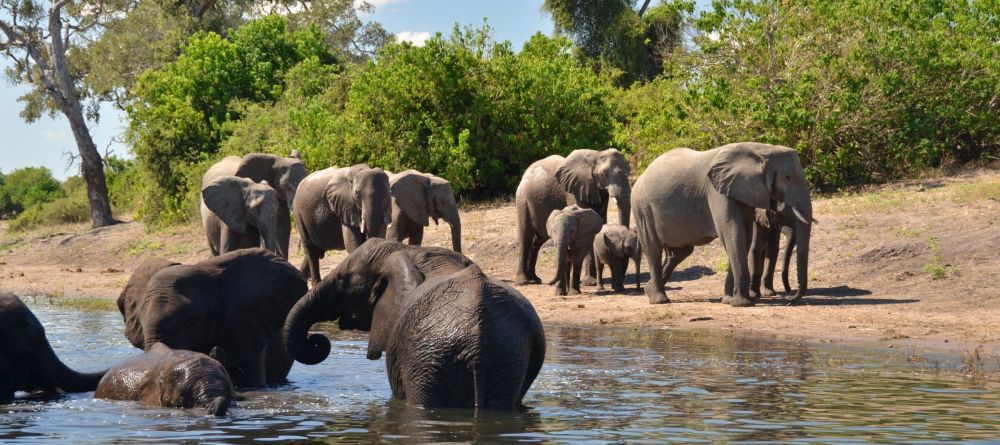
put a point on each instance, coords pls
(92, 169)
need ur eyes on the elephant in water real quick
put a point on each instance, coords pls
(236, 301)
(235, 209)
(614, 246)
(27, 361)
(572, 229)
(417, 196)
(453, 337)
(588, 178)
(339, 208)
(282, 174)
(687, 198)
(171, 378)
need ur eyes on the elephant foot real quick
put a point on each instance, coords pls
(768, 292)
(619, 290)
(738, 301)
(798, 296)
(589, 281)
(656, 297)
(574, 291)
(559, 292)
(754, 295)
(726, 299)
(522, 280)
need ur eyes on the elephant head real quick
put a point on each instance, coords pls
(624, 243)
(191, 380)
(588, 173)
(755, 174)
(363, 292)
(420, 195)
(283, 174)
(360, 198)
(236, 301)
(240, 202)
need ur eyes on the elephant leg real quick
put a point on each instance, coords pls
(654, 287)
(574, 287)
(738, 249)
(228, 241)
(310, 263)
(394, 232)
(756, 266)
(771, 259)
(677, 255)
(590, 274)
(618, 275)
(533, 263)
(526, 248)
(728, 289)
(304, 267)
(600, 275)
(277, 361)
(352, 238)
(417, 236)
(284, 229)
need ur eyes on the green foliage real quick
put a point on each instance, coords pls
(27, 187)
(865, 90)
(68, 204)
(124, 181)
(464, 107)
(178, 112)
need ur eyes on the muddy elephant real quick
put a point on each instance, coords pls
(417, 196)
(588, 178)
(614, 246)
(236, 301)
(687, 198)
(572, 229)
(27, 361)
(282, 174)
(338, 209)
(170, 378)
(452, 336)
(234, 210)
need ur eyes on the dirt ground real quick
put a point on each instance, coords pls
(908, 265)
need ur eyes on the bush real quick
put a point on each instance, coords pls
(73, 208)
(25, 188)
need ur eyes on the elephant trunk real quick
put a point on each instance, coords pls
(72, 381)
(787, 255)
(623, 196)
(802, 234)
(269, 239)
(314, 307)
(562, 259)
(456, 231)
(373, 218)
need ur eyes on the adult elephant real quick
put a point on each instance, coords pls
(417, 196)
(587, 178)
(340, 208)
(234, 210)
(236, 301)
(687, 198)
(27, 361)
(453, 337)
(282, 174)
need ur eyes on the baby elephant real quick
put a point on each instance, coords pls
(615, 245)
(572, 229)
(171, 378)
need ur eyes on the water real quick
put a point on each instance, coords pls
(599, 385)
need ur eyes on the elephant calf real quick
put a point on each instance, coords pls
(573, 229)
(171, 378)
(27, 361)
(615, 245)
(453, 337)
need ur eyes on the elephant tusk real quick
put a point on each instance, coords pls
(799, 216)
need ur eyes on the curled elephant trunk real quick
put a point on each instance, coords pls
(314, 307)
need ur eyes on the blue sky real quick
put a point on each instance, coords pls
(45, 141)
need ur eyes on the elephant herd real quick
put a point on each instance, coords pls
(452, 335)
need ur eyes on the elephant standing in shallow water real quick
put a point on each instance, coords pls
(417, 196)
(687, 198)
(27, 361)
(453, 337)
(236, 301)
(587, 178)
(171, 378)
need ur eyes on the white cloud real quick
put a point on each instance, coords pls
(375, 4)
(418, 38)
(54, 136)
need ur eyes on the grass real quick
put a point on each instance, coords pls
(891, 198)
(972, 364)
(143, 245)
(937, 266)
(59, 299)
(721, 265)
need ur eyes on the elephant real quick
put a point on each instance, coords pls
(236, 301)
(614, 245)
(170, 378)
(687, 198)
(572, 229)
(768, 226)
(415, 196)
(588, 178)
(234, 210)
(27, 361)
(339, 208)
(453, 337)
(282, 174)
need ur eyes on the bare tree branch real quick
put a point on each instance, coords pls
(642, 10)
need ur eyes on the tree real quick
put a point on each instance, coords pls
(27, 187)
(614, 35)
(39, 41)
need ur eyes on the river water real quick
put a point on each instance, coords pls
(599, 385)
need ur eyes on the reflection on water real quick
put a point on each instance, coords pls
(598, 385)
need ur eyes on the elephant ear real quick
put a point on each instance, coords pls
(257, 167)
(339, 194)
(738, 172)
(398, 278)
(257, 290)
(576, 176)
(224, 197)
(410, 193)
(132, 297)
